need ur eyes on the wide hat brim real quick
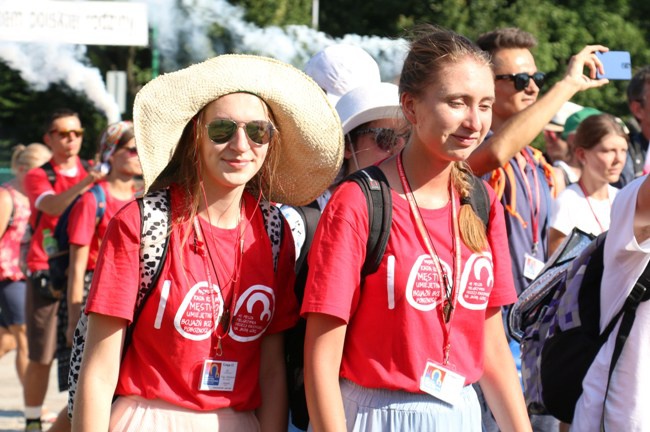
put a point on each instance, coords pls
(309, 127)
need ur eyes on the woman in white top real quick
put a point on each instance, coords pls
(600, 147)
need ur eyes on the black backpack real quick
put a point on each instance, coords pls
(376, 189)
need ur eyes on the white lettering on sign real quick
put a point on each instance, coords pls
(87, 23)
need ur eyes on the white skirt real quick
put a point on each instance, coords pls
(136, 414)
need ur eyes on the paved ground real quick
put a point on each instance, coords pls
(11, 395)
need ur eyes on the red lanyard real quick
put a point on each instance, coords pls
(236, 279)
(534, 209)
(584, 192)
(449, 291)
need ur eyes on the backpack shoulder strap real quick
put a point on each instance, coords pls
(155, 227)
(310, 217)
(480, 200)
(274, 225)
(86, 164)
(640, 293)
(375, 187)
(51, 177)
(49, 172)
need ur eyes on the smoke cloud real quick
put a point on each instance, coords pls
(183, 28)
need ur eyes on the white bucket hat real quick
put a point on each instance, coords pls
(340, 68)
(368, 103)
(309, 128)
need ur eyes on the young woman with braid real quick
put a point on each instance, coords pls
(398, 349)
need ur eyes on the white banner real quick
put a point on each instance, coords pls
(76, 22)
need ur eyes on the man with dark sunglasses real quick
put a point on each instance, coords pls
(524, 182)
(50, 189)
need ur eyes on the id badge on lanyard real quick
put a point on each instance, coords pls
(218, 375)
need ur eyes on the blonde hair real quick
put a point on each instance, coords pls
(472, 227)
(29, 156)
(433, 48)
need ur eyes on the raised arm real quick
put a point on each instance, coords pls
(522, 128)
(54, 204)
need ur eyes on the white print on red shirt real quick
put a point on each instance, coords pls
(250, 322)
(477, 281)
(424, 289)
(194, 319)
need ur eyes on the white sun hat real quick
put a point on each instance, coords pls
(310, 133)
(368, 103)
(340, 68)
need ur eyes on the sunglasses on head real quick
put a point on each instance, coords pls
(221, 131)
(385, 138)
(522, 80)
(66, 134)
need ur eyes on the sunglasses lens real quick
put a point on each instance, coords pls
(521, 81)
(539, 78)
(385, 139)
(259, 131)
(69, 133)
(221, 131)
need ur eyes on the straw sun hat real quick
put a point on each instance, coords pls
(310, 130)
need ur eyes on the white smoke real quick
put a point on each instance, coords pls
(183, 28)
(42, 64)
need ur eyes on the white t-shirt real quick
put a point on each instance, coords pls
(571, 209)
(629, 390)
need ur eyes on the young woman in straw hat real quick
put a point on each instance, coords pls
(399, 349)
(207, 350)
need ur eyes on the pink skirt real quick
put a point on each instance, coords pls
(136, 414)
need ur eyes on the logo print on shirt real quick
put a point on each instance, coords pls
(194, 319)
(253, 313)
(476, 281)
(423, 288)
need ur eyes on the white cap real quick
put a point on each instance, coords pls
(340, 68)
(566, 110)
(368, 103)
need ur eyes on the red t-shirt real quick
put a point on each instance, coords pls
(394, 323)
(82, 219)
(173, 335)
(36, 184)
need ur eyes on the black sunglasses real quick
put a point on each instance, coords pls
(522, 80)
(221, 131)
(385, 138)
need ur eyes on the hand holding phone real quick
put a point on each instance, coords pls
(617, 65)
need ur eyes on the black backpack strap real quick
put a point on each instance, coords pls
(375, 187)
(480, 200)
(310, 217)
(640, 292)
